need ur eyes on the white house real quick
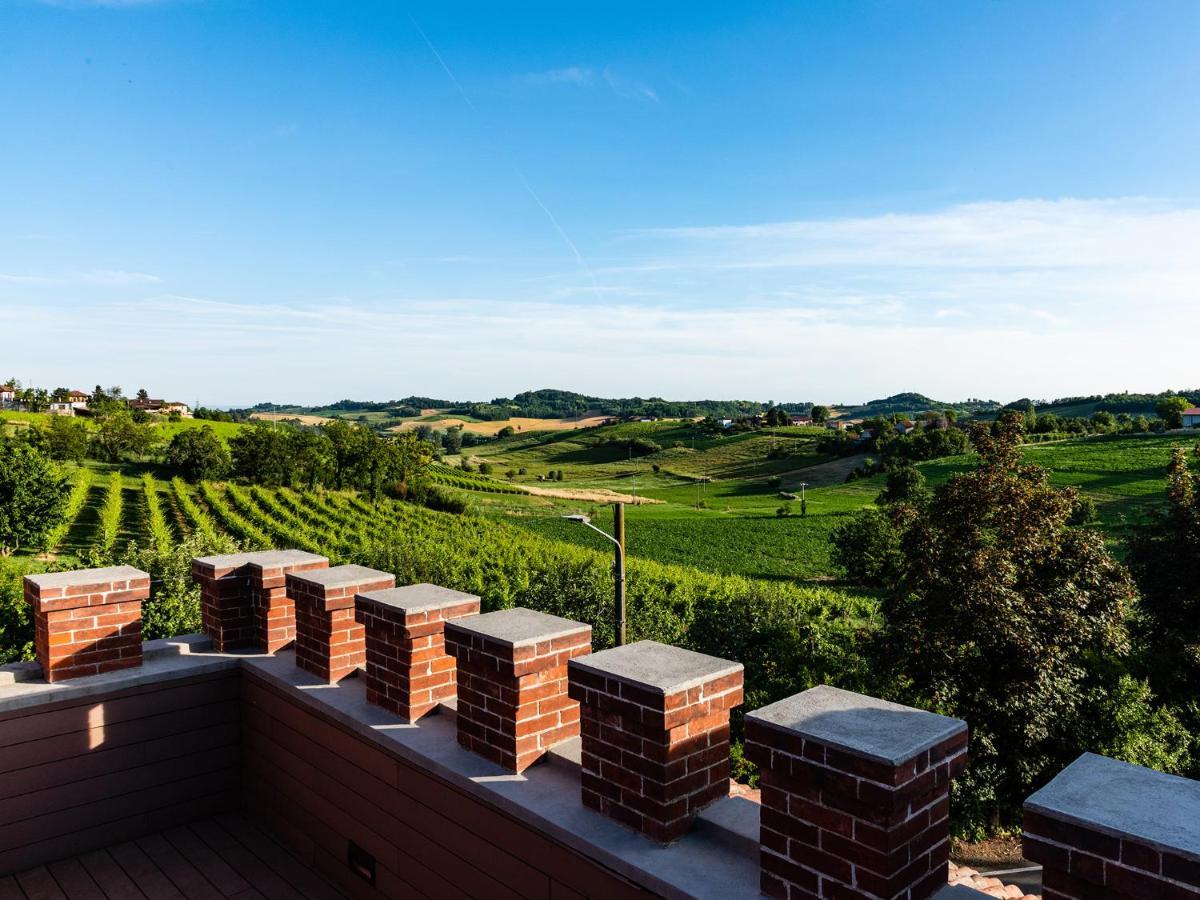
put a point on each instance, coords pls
(62, 408)
(79, 399)
(1191, 417)
(7, 393)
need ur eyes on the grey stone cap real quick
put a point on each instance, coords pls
(873, 728)
(658, 667)
(415, 598)
(341, 576)
(1127, 801)
(518, 627)
(264, 558)
(79, 577)
(271, 559)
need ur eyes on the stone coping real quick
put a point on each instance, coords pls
(876, 729)
(1126, 801)
(341, 576)
(417, 598)
(81, 577)
(518, 627)
(658, 667)
(263, 558)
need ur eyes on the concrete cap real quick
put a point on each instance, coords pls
(85, 576)
(341, 576)
(1125, 800)
(873, 728)
(518, 626)
(273, 559)
(264, 558)
(659, 667)
(415, 598)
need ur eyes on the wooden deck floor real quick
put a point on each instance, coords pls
(225, 857)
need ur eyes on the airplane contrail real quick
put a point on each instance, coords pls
(562, 232)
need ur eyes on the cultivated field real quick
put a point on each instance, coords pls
(521, 424)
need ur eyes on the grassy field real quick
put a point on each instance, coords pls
(164, 430)
(720, 494)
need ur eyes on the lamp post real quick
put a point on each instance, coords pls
(618, 541)
(803, 500)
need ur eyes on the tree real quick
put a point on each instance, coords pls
(33, 495)
(452, 440)
(198, 454)
(118, 434)
(905, 484)
(819, 414)
(262, 454)
(1001, 614)
(66, 438)
(1170, 410)
(1165, 560)
(142, 394)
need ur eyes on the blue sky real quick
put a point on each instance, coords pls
(233, 201)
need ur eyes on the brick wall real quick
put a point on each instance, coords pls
(330, 643)
(855, 795)
(90, 772)
(512, 683)
(1108, 830)
(87, 621)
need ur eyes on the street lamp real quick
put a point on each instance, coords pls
(618, 542)
(803, 501)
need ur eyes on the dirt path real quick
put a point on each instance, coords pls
(594, 495)
(822, 474)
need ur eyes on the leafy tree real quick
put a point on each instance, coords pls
(262, 454)
(66, 438)
(506, 431)
(142, 394)
(452, 440)
(819, 414)
(999, 613)
(1170, 410)
(118, 434)
(198, 454)
(33, 495)
(1165, 560)
(905, 484)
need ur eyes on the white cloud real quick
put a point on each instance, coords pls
(588, 76)
(92, 278)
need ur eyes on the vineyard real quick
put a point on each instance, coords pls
(799, 635)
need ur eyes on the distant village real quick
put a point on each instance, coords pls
(66, 402)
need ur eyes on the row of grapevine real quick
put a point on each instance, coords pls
(469, 481)
(232, 521)
(81, 485)
(197, 519)
(156, 523)
(110, 513)
(282, 532)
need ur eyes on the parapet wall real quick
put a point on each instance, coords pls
(395, 801)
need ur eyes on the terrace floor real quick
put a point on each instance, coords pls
(223, 857)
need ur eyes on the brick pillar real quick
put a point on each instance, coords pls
(244, 602)
(274, 610)
(1108, 830)
(87, 621)
(226, 605)
(855, 795)
(512, 683)
(408, 670)
(655, 725)
(329, 642)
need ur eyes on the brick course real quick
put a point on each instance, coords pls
(512, 683)
(655, 733)
(88, 621)
(329, 642)
(408, 671)
(244, 602)
(844, 821)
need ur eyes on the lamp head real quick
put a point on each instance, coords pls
(582, 519)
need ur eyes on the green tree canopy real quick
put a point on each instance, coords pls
(1170, 410)
(33, 495)
(197, 454)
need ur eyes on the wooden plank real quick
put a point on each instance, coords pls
(245, 863)
(186, 877)
(144, 873)
(39, 884)
(110, 876)
(9, 890)
(274, 855)
(74, 880)
(203, 857)
(34, 723)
